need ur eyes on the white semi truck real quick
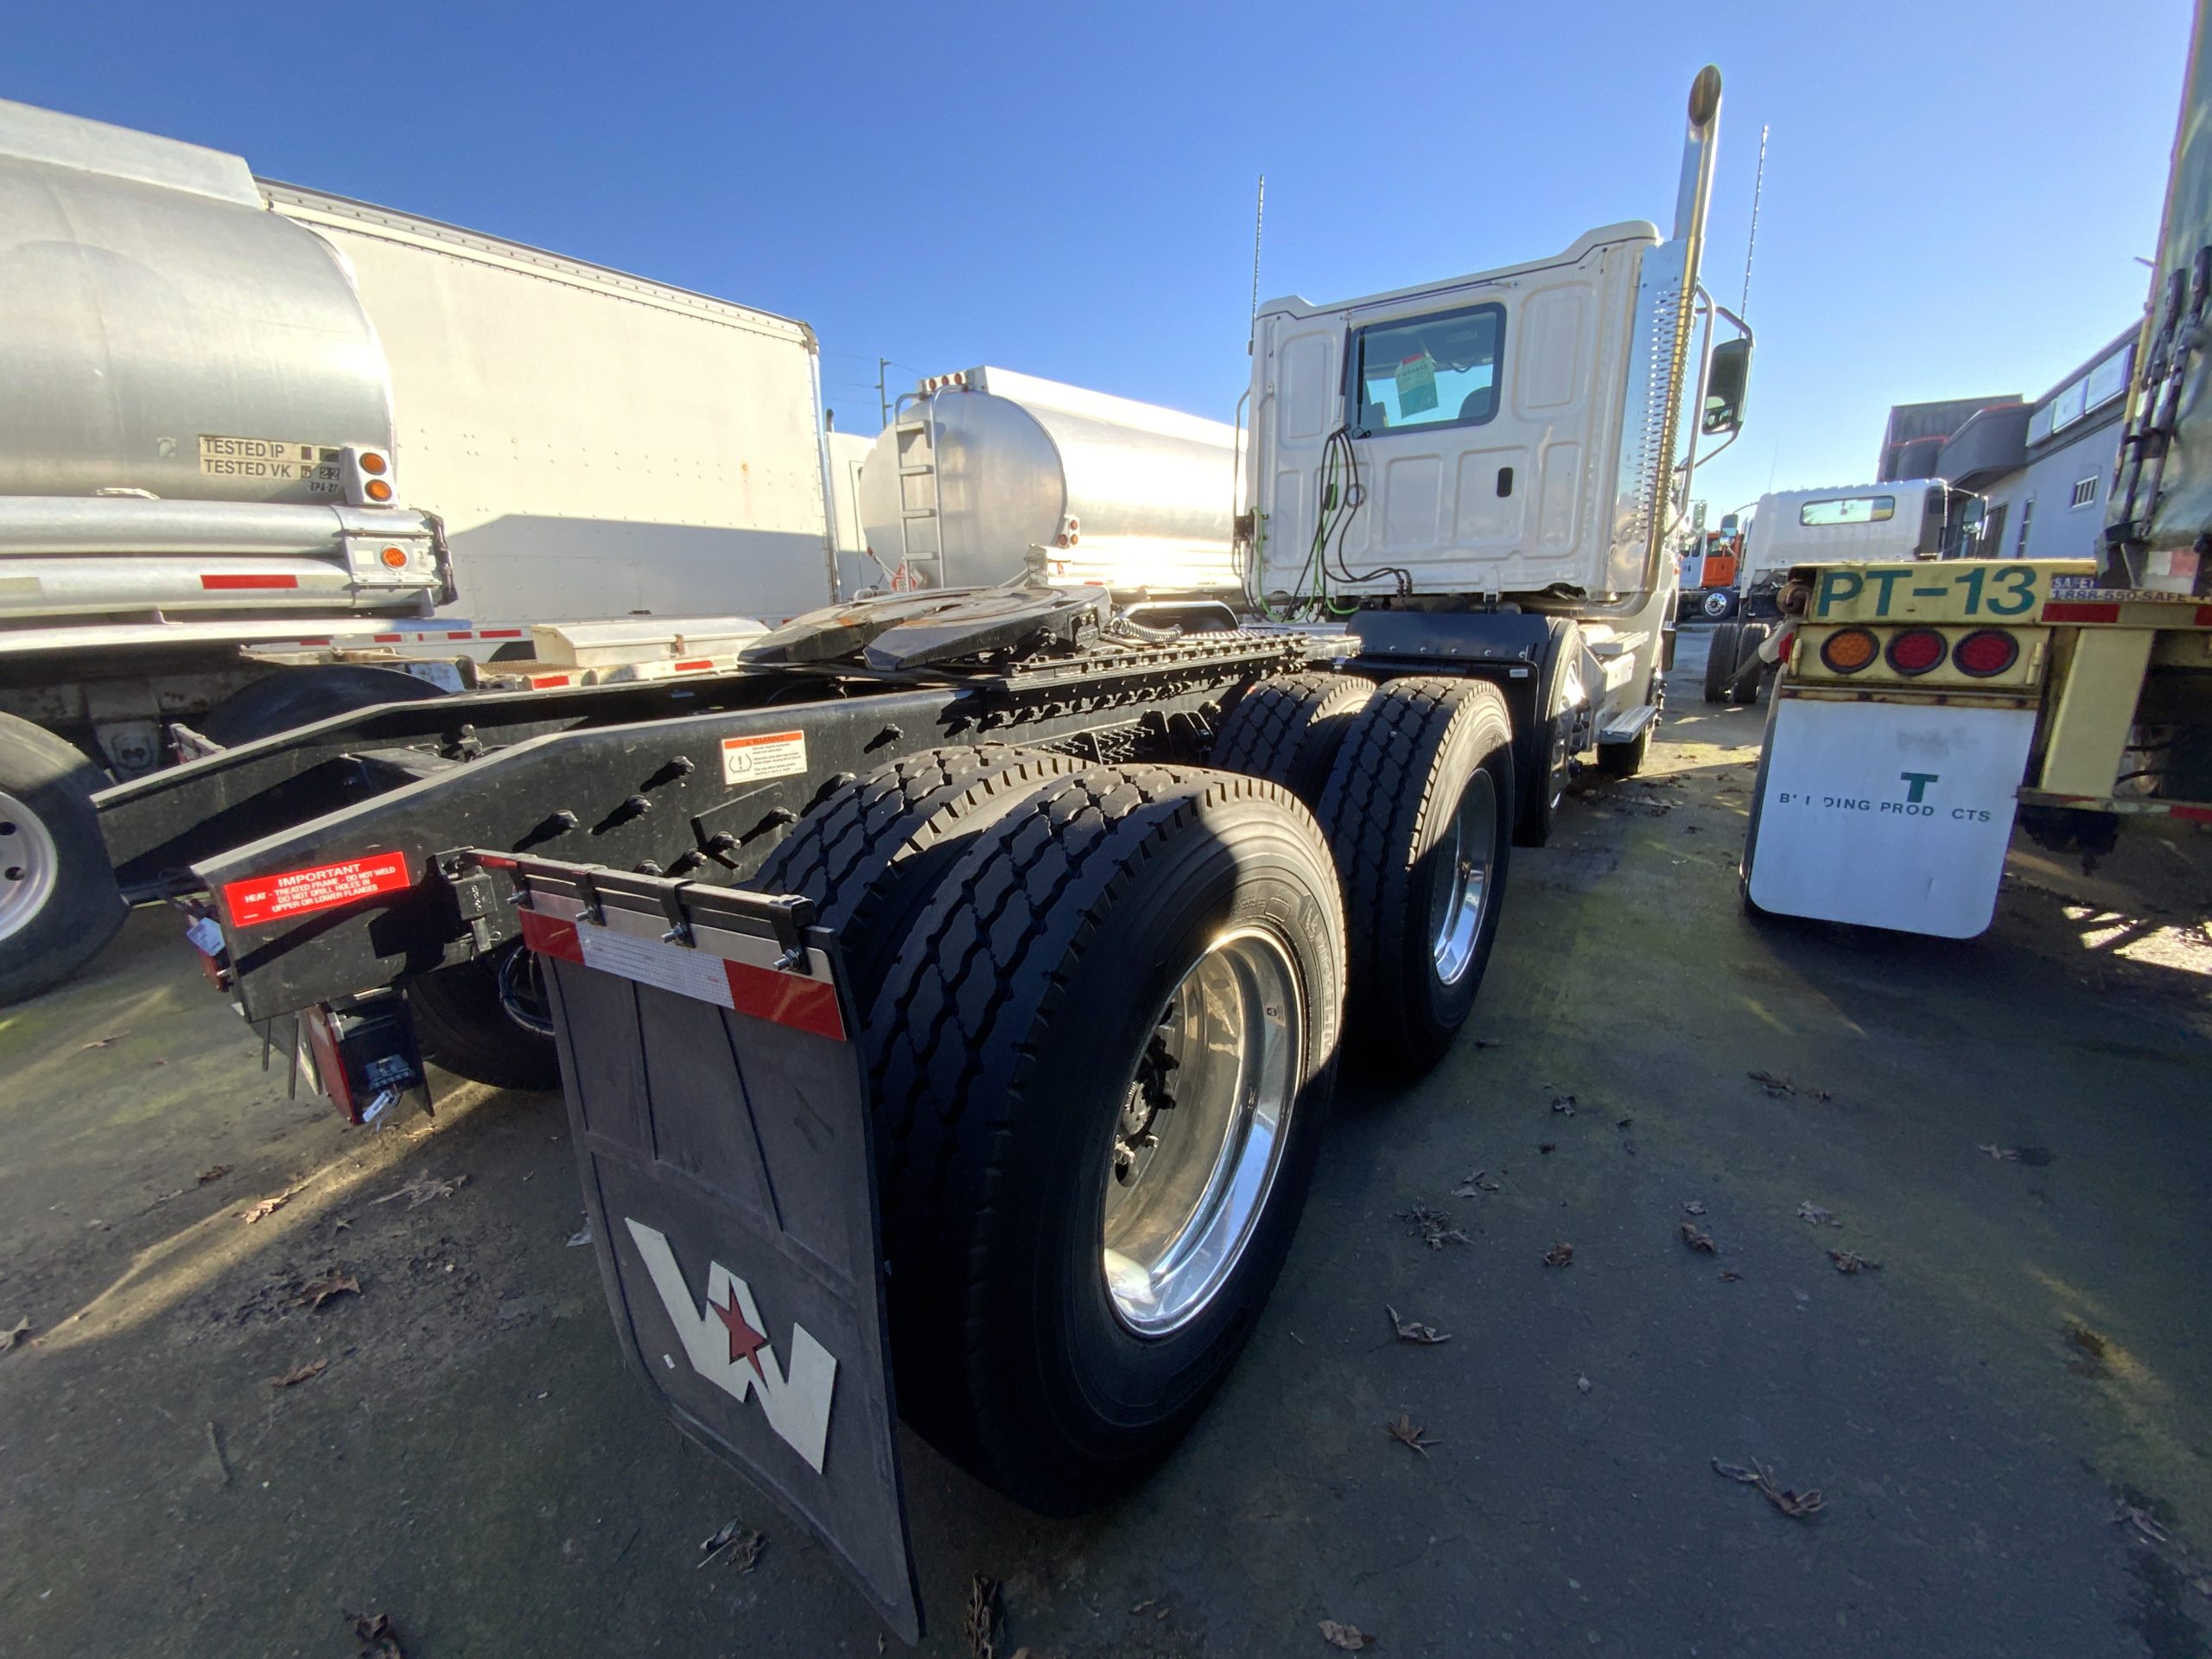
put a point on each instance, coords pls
(956, 992)
(249, 427)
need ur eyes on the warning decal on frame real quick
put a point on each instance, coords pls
(773, 754)
(1416, 385)
(294, 892)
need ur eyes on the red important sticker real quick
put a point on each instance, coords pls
(294, 892)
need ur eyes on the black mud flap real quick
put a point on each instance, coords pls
(720, 1114)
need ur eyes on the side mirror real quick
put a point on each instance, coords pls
(1727, 377)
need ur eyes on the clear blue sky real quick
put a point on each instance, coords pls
(1954, 191)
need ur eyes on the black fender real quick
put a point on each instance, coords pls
(1527, 656)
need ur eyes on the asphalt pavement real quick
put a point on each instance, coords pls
(276, 1373)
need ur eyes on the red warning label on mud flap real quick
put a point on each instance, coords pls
(294, 892)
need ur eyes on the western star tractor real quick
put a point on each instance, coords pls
(947, 999)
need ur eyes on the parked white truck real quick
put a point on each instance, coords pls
(243, 417)
(1852, 524)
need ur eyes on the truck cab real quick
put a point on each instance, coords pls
(1479, 475)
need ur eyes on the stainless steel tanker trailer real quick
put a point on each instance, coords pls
(985, 474)
(947, 999)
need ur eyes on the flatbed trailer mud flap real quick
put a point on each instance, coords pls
(720, 1114)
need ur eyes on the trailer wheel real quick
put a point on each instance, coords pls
(1419, 813)
(1101, 1064)
(59, 905)
(1721, 661)
(873, 853)
(291, 697)
(487, 1020)
(1288, 730)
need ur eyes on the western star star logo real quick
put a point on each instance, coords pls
(745, 1343)
(725, 1340)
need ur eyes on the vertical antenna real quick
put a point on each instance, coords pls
(1758, 189)
(1259, 216)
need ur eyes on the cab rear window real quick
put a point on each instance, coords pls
(1424, 372)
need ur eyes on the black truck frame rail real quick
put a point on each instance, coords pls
(329, 855)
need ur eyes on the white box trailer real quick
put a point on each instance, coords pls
(262, 447)
(596, 444)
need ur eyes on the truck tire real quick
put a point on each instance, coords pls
(291, 697)
(1419, 813)
(1744, 679)
(487, 1020)
(1288, 730)
(59, 905)
(871, 855)
(1717, 605)
(1130, 949)
(1721, 661)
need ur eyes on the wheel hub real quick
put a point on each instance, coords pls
(1465, 859)
(1200, 1133)
(29, 864)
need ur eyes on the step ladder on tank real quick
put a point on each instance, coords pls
(921, 528)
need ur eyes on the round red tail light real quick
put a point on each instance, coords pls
(1916, 651)
(1988, 652)
(1848, 649)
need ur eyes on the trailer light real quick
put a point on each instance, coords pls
(1848, 649)
(1988, 652)
(373, 462)
(1916, 651)
(394, 557)
(376, 490)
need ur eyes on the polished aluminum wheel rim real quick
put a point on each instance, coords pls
(29, 865)
(1201, 1131)
(1466, 859)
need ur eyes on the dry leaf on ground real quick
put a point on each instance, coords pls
(742, 1544)
(100, 1042)
(1582, 1384)
(1807, 1210)
(1559, 1256)
(217, 1173)
(2009, 1154)
(1730, 1276)
(1798, 1506)
(268, 1207)
(1408, 1433)
(1699, 1240)
(1851, 1261)
(1547, 1147)
(316, 1292)
(1434, 1227)
(1778, 1087)
(19, 1331)
(377, 1630)
(982, 1624)
(1412, 1330)
(300, 1373)
(1349, 1637)
(1694, 1207)
(1565, 1104)
(1476, 1183)
(423, 1187)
